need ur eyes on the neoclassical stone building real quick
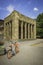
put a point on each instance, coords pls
(19, 27)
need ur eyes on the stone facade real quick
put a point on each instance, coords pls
(19, 27)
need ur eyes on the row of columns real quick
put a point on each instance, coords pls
(29, 30)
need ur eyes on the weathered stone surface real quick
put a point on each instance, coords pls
(15, 31)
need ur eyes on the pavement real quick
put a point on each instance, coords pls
(31, 53)
(37, 43)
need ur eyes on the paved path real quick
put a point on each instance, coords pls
(29, 55)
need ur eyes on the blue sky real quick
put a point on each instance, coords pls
(30, 8)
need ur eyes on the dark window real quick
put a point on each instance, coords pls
(27, 30)
(23, 30)
(19, 29)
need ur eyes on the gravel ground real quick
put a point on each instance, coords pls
(30, 54)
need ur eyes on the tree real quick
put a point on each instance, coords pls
(40, 25)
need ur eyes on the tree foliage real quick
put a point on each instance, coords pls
(40, 25)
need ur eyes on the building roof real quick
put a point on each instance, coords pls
(19, 16)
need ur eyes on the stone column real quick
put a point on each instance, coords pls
(28, 32)
(7, 31)
(31, 31)
(10, 32)
(25, 30)
(22, 30)
(35, 30)
(15, 29)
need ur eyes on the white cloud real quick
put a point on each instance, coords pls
(35, 9)
(10, 8)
